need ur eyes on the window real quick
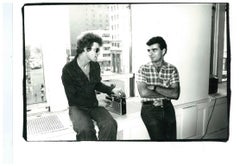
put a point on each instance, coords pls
(106, 55)
(106, 42)
(106, 35)
(35, 84)
(120, 37)
(218, 68)
(106, 48)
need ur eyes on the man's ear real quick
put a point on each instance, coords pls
(164, 51)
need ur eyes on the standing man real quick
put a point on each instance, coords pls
(81, 77)
(158, 83)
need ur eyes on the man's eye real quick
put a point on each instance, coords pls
(89, 49)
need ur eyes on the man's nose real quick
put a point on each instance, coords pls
(150, 52)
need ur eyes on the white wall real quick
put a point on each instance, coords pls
(187, 31)
(49, 27)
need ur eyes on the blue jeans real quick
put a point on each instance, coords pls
(160, 121)
(82, 120)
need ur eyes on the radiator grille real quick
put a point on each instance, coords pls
(45, 124)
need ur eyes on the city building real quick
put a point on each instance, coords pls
(85, 18)
(120, 35)
(112, 23)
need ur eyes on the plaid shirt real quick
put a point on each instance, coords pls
(148, 74)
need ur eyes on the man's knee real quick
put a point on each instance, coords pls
(83, 128)
(109, 124)
(78, 129)
(85, 134)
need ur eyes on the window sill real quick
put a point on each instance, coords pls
(116, 76)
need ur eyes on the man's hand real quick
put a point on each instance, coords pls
(118, 92)
(104, 103)
(150, 87)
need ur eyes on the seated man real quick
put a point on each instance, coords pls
(81, 77)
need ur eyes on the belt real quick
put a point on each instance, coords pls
(152, 102)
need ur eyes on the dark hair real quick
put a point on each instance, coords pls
(87, 41)
(159, 40)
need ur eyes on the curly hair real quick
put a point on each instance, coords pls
(159, 40)
(86, 41)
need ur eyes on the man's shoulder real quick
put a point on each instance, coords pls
(146, 65)
(169, 65)
(69, 65)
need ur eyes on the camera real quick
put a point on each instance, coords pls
(118, 105)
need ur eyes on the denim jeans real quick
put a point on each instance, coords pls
(82, 120)
(160, 121)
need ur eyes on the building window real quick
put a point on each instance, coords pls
(106, 55)
(106, 48)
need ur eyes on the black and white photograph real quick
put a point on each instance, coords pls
(119, 82)
(111, 72)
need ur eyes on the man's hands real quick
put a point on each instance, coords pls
(118, 92)
(150, 87)
(156, 102)
(104, 103)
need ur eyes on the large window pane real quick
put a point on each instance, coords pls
(35, 85)
(112, 23)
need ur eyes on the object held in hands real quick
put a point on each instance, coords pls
(118, 104)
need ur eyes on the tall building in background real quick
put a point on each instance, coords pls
(86, 18)
(120, 36)
(112, 23)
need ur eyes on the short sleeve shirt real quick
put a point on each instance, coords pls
(166, 76)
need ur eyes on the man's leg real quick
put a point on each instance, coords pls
(105, 122)
(153, 119)
(82, 124)
(170, 121)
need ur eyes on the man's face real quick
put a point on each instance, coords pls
(93, 52)
(155, 53)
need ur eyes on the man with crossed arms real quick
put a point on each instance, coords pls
(158, 83)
